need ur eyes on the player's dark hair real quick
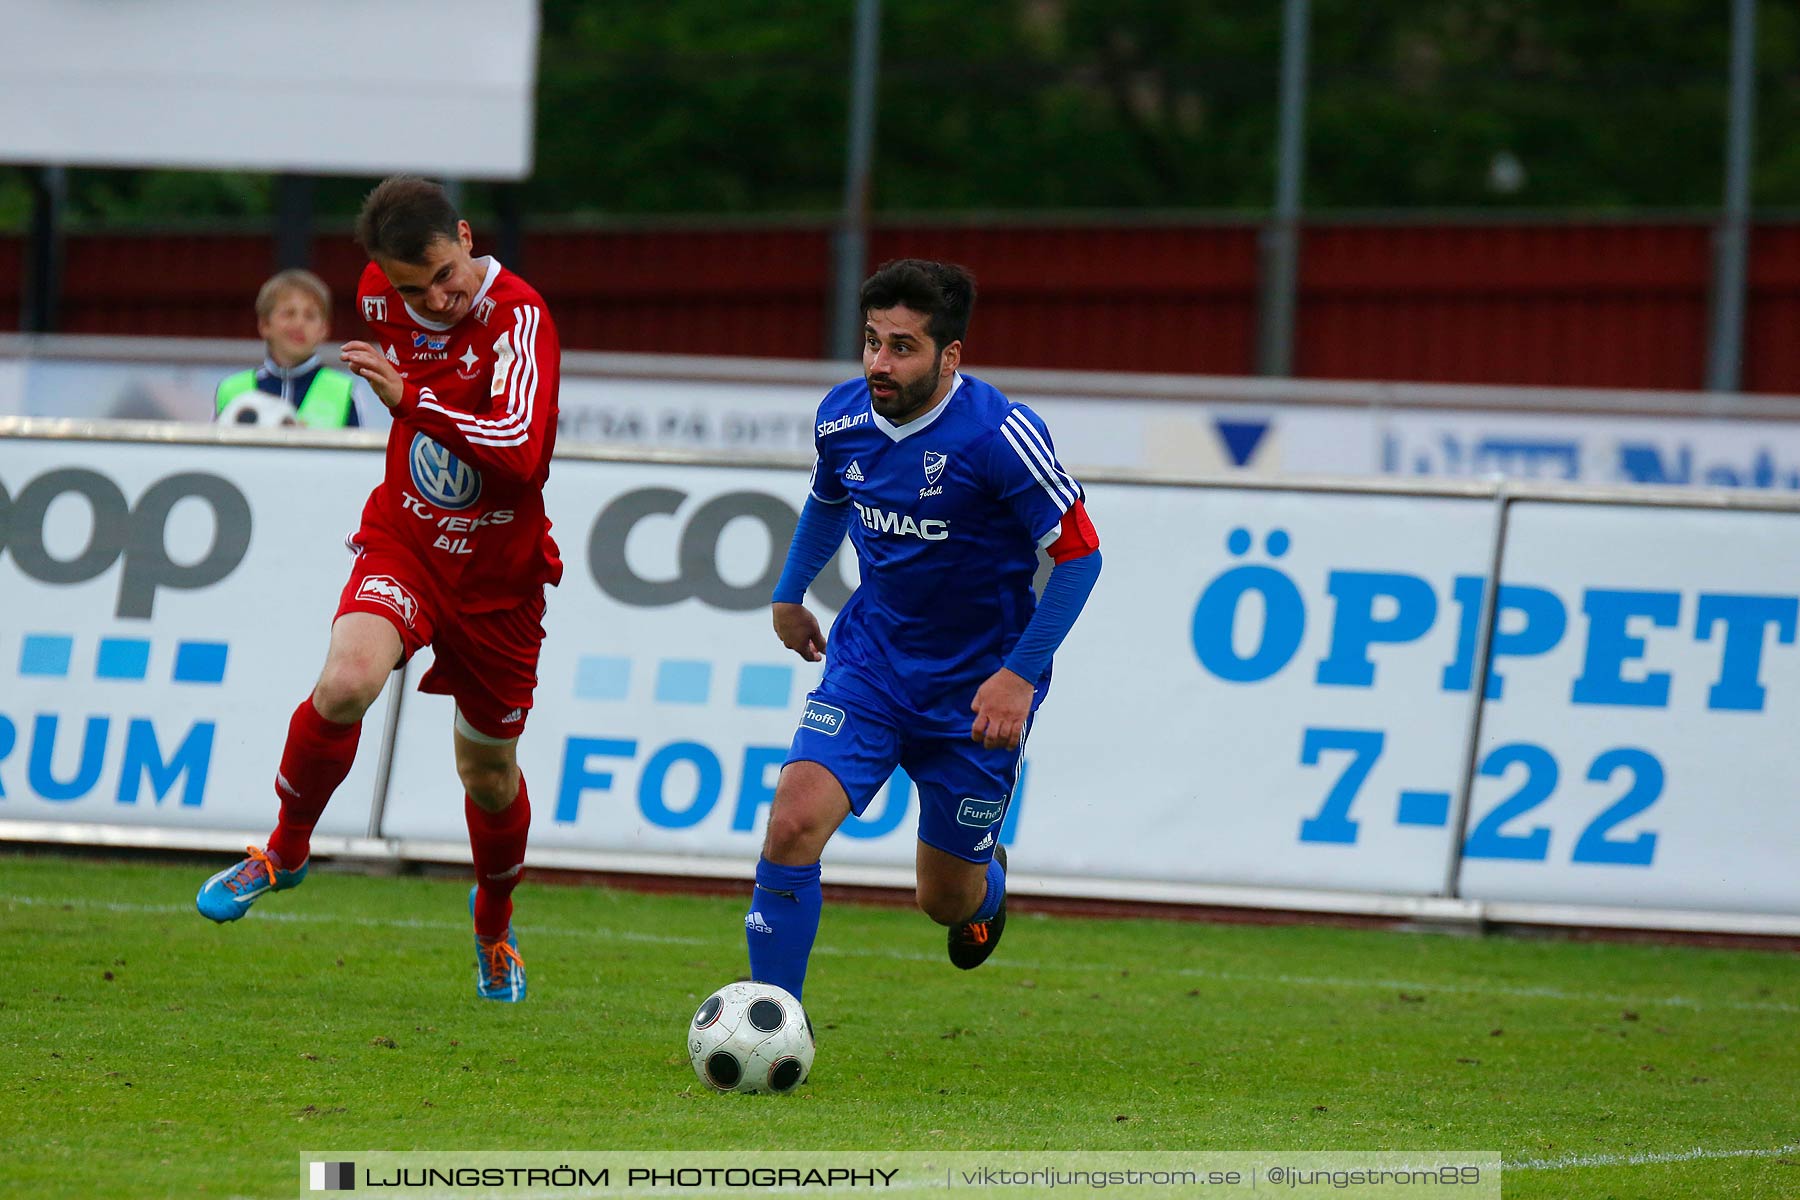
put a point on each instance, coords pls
(403, 216)
(944, 292)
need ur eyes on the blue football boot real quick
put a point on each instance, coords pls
(229, 894)
(499, 971)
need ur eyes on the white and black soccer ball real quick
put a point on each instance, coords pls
(258, 408)
(751, 1037)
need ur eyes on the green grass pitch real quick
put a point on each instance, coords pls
(148, 1052)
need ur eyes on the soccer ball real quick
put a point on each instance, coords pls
(258, 408)
(751, 1037)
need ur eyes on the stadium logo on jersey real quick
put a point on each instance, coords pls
(385, 589)
(374, 308)
(822, 717)
(853, 473)
(430, 341)
(446, 480)
(978, 813)
(934, 465)
(879, 520)
(484, 310)
(826, 428)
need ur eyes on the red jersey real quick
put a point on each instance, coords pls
(470, 447)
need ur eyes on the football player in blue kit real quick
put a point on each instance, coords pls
(942, 655)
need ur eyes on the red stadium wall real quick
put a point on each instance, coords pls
(1554, 303)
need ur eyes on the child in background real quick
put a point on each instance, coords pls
(293, 387)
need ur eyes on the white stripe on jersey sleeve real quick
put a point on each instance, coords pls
(1061, 499)
(521, 391)
(1045, 455)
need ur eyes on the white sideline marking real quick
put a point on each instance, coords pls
(1641, 1160)
(626, 935)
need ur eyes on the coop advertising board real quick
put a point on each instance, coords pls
(1637, 743)
(1269, 688)
(1241, 657)
(162, 610)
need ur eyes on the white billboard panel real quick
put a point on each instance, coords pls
(760, 417)
(1187, 736)
(162, 611)
(1637, 744)
(442, 87)
(1573, 448)
(1267, 688)
(664, 705)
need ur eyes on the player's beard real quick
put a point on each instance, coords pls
(909, 399)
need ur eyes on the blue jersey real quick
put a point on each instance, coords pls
(949, 513)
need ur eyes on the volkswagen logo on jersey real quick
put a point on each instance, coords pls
(445, 480)
(934, 466)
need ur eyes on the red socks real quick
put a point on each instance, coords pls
(315, 760)
(498, 840)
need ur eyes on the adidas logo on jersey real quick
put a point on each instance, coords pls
(517, 714)
(755, 923)
(985, 842)
(853, 473)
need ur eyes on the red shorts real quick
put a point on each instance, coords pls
(487, 661)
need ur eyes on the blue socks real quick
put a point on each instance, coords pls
(996, 892)
(783, 921)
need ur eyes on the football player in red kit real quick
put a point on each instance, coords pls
(454, 551)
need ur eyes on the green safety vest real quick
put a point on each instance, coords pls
(327, 404)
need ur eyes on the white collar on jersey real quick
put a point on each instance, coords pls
(493, 273)
(896, 432)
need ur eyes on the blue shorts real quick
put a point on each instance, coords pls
(964, 788)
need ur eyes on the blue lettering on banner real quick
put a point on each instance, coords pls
(757, 791)
(141, 756)
(1668, 464)
(653, 800)
(1497, 835)
(1372, 611)
(594, 765)
(1644, 462)
(86, 750)
(1519, 457)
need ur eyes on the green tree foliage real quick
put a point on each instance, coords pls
(690, 106)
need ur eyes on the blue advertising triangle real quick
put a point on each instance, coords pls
(1241, 438)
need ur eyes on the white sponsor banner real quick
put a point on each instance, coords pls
(165, 608)
(664, 705)
(176, 84)
(1637, 746)
(1560, 447)
(1187, 737)
(1266, 688)
(753, 417)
